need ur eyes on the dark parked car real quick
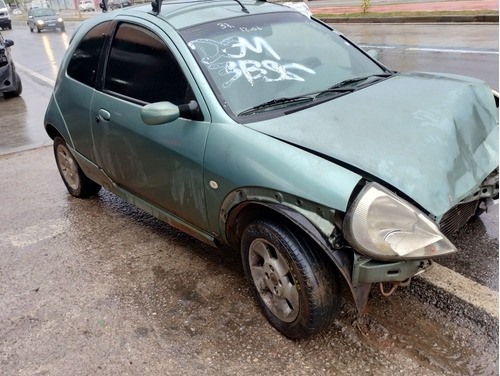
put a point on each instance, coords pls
(117, 4)
(44, 19)
(315, 161)
(10, 83)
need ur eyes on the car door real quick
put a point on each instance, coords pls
(81, 75)
(162, 164)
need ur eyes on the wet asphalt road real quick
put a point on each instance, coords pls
(98, 287)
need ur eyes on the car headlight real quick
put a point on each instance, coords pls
(39, 22)
(59, 20)
(383, 226)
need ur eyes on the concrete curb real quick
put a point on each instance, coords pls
(478, 18)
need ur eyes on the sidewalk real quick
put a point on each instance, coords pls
(428, 7)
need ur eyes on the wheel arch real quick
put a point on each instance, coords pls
(53, 132)
(245, 212)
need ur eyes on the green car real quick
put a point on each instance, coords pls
(254, 125)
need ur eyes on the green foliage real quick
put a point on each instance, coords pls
(365, 4)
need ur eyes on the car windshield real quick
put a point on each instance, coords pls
(275, 59)
(43, 12)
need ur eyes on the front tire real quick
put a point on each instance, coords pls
(18, 90)
(76, 182)
(295, 286)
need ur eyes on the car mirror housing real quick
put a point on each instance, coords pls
(159, 113)
(9, 42)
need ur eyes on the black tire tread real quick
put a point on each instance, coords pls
(88, 188)
(323, 292)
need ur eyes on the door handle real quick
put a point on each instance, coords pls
(103, 115)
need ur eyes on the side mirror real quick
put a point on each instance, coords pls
(9, 42)
(159, 113)
(166, 112)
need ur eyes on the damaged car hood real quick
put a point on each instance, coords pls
(436, 140)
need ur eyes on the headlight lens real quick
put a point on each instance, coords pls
(385, 227)
(39, 22)
(59, 19)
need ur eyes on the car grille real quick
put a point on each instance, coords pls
(457, 217)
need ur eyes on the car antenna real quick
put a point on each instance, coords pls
(156, 5)
(243, 8)
(103, 5)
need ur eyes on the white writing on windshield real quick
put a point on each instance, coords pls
(228, 57)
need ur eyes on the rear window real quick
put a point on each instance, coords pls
(85, 60)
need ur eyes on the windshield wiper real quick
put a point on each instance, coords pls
(345, 86)
(276, 102)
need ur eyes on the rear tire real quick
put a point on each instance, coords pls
(76, 182)
(294, 284)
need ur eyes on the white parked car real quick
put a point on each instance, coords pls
(87, 5)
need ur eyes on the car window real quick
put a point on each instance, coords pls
(43, 12)
(273, 56)
(141, 67)
(84, 62)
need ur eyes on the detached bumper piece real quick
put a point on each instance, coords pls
(371, 271)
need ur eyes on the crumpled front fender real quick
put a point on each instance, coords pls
(315, 221)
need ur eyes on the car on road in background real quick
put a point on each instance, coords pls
(5, 21)
(17, 12)
(87, 6)
(319, 164)
(117, 4)
(10, 82)
(44, 19)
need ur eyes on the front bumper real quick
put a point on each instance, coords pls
(49, 25)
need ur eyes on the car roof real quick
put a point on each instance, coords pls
(186, 13)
